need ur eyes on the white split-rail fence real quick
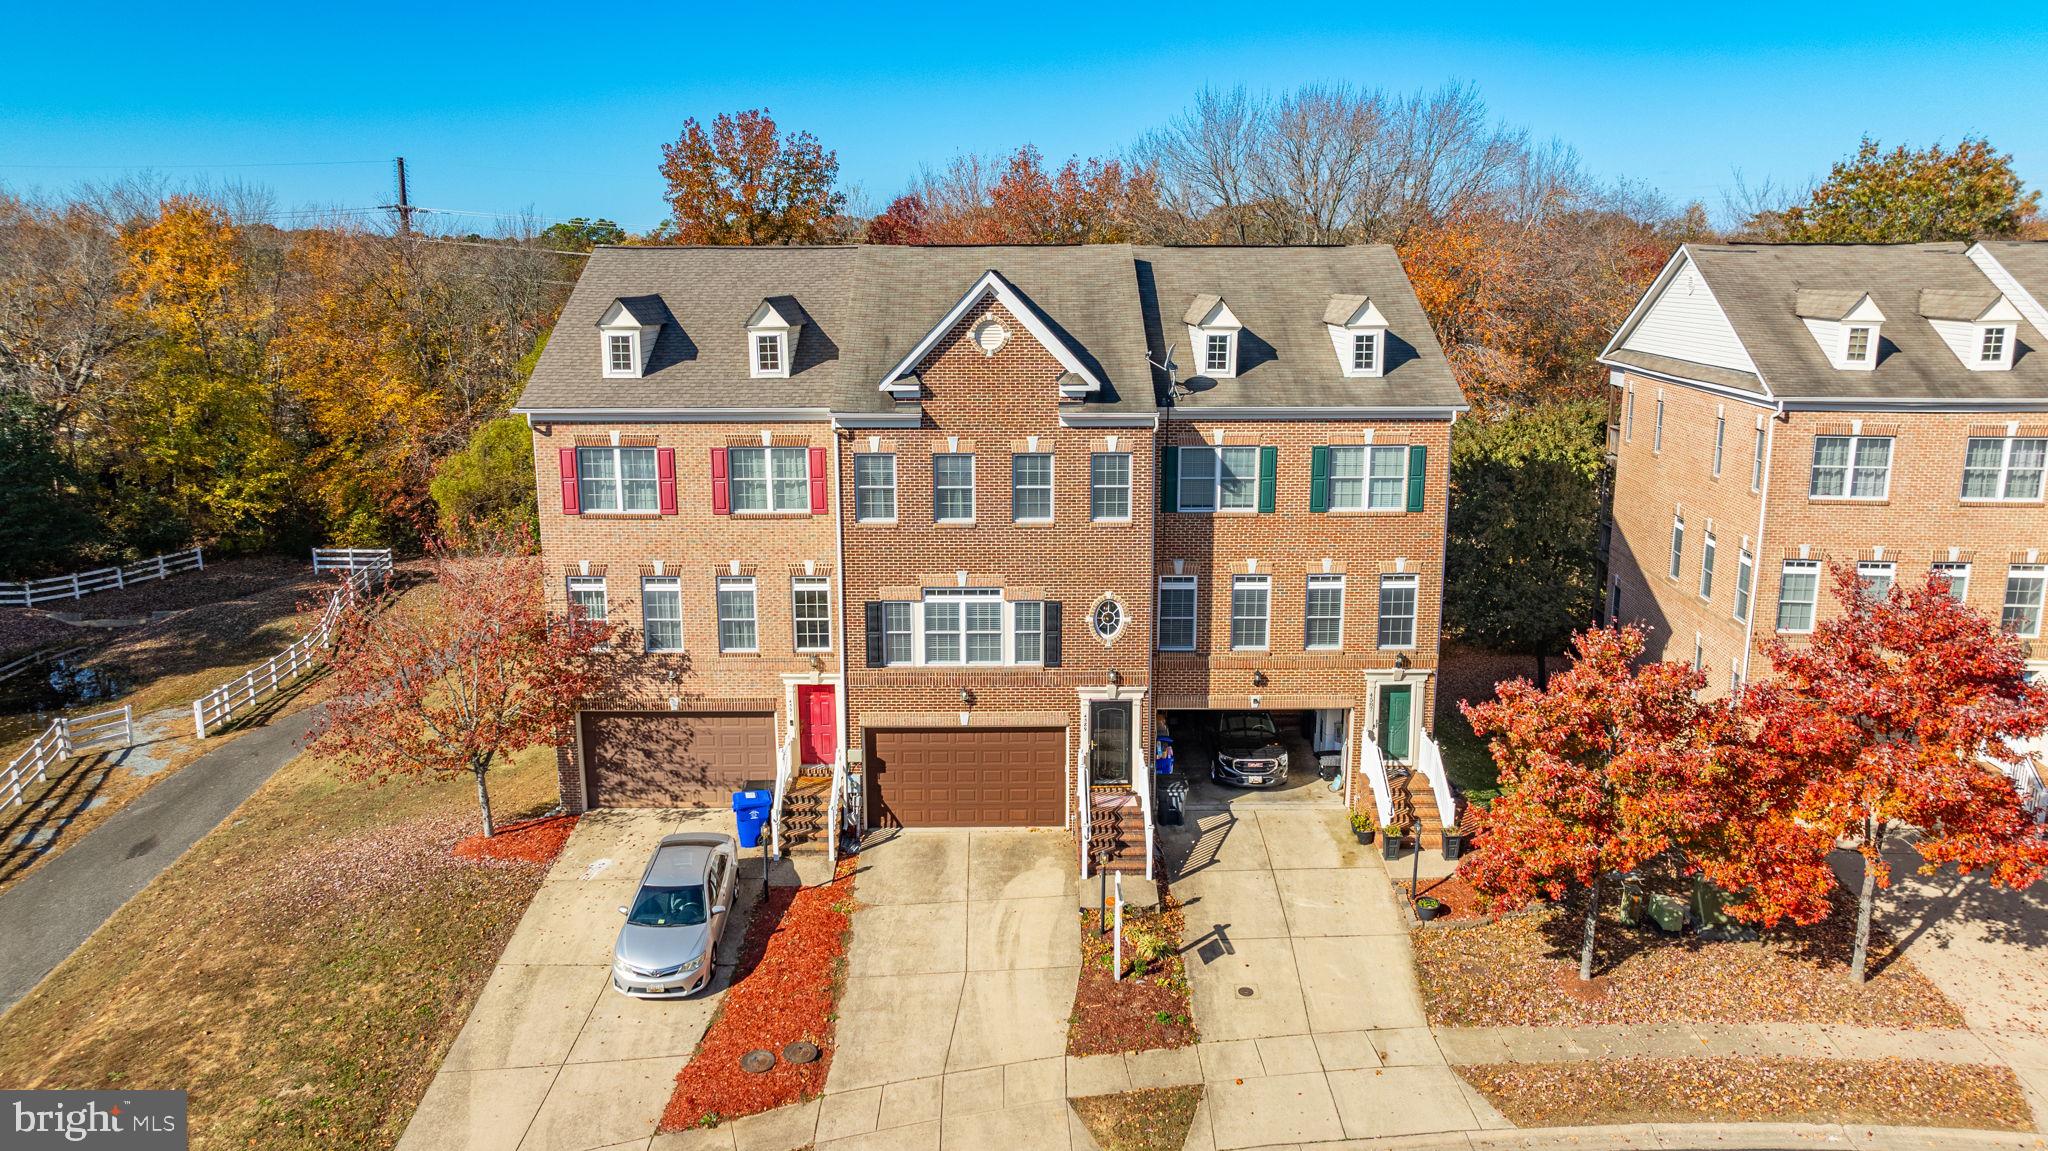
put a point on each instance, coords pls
(351, 559)
(217, 708)
(63, 739)
(80, 584)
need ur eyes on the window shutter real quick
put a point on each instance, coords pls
(1269, 477)
(1319, 479)
(721, 486)
(665, 478)
(1418, 471)
(572, 503)
(817, 481)
(876, 640)
(1052, 633)
(1169, 479)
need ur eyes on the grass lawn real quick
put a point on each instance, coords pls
(1148, 1119)
(301, 971)
(1466, 759)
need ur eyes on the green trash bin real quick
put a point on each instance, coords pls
(1668, 912)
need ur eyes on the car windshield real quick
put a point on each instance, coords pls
(668, 907)
(1256, 726)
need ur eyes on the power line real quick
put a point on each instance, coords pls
(151, 167)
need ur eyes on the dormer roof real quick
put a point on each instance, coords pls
(1209, 311)
(778, 312)
(633, 312)
(1353, 312)
(1838, 304)
(902, 376)
(1969, 305)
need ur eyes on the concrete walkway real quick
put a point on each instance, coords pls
(45, 917)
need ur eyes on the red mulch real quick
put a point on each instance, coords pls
(1461, 903)
(530, 841)
(786, 989)
(1146, 1009)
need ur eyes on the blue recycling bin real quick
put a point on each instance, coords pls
(750, 813)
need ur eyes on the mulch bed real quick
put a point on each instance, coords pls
(1461, 903)
(1147, 1009)
(529, 841)
(1887, 1092)
(1521, 970)
(1148, 1119)
(792, 966)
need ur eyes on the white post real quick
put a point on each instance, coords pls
(199, 716)
(75, 593)
(1118, 946)
(200, 555)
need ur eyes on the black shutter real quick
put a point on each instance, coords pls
(1052, 633)
(876, 640)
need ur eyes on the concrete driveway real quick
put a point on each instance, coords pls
(552, 1059)
(1297, 956)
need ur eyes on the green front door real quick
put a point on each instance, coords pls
(1395, 714)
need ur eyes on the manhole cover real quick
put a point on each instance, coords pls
(800, 1052)
(757, 1061)
(1246, 993)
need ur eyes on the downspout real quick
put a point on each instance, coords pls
(839, 563)
(1756, 566)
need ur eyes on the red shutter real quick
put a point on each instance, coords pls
(721, 487)
(665, 478)
(572, 504)
(817, 481)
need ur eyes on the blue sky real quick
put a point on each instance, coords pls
(562, 109)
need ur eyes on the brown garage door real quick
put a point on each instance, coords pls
(953, 777)
(674, 759)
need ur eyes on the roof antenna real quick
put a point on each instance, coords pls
(1173, 387)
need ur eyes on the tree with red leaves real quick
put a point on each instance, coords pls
(1608, 766)
(1894, 714)
(472, 671)
(743, 183)
(902, 222)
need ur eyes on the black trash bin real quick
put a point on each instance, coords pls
(1173, 799)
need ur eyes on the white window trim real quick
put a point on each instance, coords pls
(803, 584)
(588, 583)
(1129, 494)
(1674, 568)
(781, 342)
(1950, 570)
(2004, 472)
(618, 506)
(1365, 454)
(1052, 489)
(1856, 441)
(1415, 621)
(1202, 338)
(1869, 357)
(2029, 571)
(1804, 567)
(1191, 583)
(1657, 433)
(1720, 442)
(1745, 587)
(662, 583)
(1707, 558)
(1628, 416)
(1216, 508)
(2004, 355)
(1868, 569)
(973, 478)
(1756, 463)
(718, 612)
(1248, 581)
(1324, 579)
(632, 370)
(964, 596)
(768, 454)
(894, 506)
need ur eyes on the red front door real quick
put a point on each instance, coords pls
(817, 736)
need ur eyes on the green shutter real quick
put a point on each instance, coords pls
(1418, 470)
(1319, 479)
(1269, 469)
(1169, 479)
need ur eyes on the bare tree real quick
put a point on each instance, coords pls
(1323, 145)
(1206, 158)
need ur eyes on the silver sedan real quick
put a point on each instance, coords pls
(665, 949)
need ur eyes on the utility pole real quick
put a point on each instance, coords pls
(404, 206)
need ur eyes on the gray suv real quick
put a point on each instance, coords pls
(665, 949)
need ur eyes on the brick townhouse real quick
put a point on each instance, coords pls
(948, 536)
(1780, 408)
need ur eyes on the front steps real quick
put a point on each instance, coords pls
(1116, 826)
(1414, 799)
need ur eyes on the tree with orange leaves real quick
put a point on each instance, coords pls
(742, 182)
(1894, 714)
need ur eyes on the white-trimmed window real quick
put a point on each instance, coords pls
(1027, 630)
(1628, 415)
(586, 593)
(1957, 577)
(2023, 587)
(621, 356)
(963, 625)
(738, 629)
(1745, 579)
(1657, 433)
(1852, 467)
(874, 487)
(953, 488)
(1677, 545)
(1707, 566)
(1991, 349)
(2003, 468)
(1176, 613)
(1369, 477)
(1720, 438)
(956, 626)
(1756, 462)
(811, 612)
(661, 613)
(769, 479)
(1798, 587)
(1219, 479)
(617, 480)
(770, 358)
(1216, 348)
(1109, 486)
(1397, 610)
(1323, 613)
(1856, 344)
(1365, 353)
(1251, 608)
(1031, 487)
(898, 633)
(1877, 576)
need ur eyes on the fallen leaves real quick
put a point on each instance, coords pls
(530, 841)
(1147, 1009)
(1149, 1119)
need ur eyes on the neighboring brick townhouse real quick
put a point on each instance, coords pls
(1781, 408)
(939, 536)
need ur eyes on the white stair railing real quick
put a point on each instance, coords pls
(835, 810)
(1085, 807)
(1429, 760)
(64, 739)
(782, 774)
(1373, 766)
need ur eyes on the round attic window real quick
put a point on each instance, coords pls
(989, 335)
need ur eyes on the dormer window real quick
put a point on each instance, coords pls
(772, 336)
(1216, 355)
(1992, 349)
(626, 335)
(768, 354)
(1845, 322)
(1979, 325)
(1212, 332)
(1365, 352)
(619, 357)
(1358, 332)
(1858, 349)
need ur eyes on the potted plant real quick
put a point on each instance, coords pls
(1390, 841)
(1428, 907)
(1454, 843)
(1362, 826)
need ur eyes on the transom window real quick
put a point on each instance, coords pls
(812, 612)
(2023, 588)
(2007, 468)
(618, 348)
(1109, 486)
(768, 354)
(737, 630)
(1371, 478)
(1251, 606)
(953, 488)
(1992, 350)
(1857, 350)
(1216, 352)
(769, 479)
(1877, 577)
(874, 486)
(1798, 584)
(1957, 577)
(1176, 613)
(616, 480)
(1323, 613)
(1852, 467)
(661, 613)
(1219, 479)
(1031, 487)
(1397, 610)
(1365, 352)
(1745, 576)
(586, 594)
